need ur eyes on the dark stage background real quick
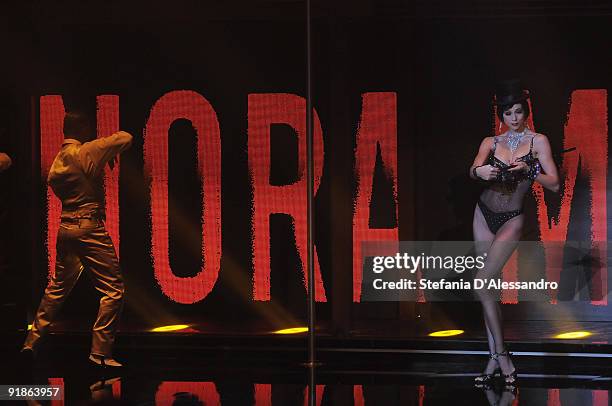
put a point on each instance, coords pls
(434, 67)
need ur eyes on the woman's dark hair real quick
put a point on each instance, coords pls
(501, 109)
(77, 125)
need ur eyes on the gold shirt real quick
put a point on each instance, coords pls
(77, 172)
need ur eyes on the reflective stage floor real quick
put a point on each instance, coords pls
(247, 371)
(371, 366)
(146, 384)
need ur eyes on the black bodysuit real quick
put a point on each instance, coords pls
(503, 197)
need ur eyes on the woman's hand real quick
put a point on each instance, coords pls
(487, 172)
(519, 166)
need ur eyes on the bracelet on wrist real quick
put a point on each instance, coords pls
(534, 170)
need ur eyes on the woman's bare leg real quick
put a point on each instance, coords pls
(501, 249)
(484, 238)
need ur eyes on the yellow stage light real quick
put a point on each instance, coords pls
(446, 333)
(174, 327)
(294, 330)
(573, 335)
(29, 327)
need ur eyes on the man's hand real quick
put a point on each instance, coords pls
(124, 136)
(5, 161)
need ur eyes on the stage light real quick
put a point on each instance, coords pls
(573, 335)
(446, 333)
(173, 327)
(29, 327)
(294, 330)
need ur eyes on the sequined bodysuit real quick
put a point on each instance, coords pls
(503, 197)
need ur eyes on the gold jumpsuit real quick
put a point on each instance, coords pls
(77, 179)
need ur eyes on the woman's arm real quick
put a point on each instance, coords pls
(549, 177)
(484, 172)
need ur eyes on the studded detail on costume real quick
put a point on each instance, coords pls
(496, 220)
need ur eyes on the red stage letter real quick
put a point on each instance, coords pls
(170, 107)
(206, 392)
(358, 399)
(58, 382)
(51, 137)
(586, 129)
(263, 394)
(377, 126)
(108, 123)
(264, 110)
(318, 395)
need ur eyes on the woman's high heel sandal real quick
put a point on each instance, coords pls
(485, 379)
(509, 379)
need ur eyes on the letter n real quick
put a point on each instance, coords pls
(52, 114)
(51, 137)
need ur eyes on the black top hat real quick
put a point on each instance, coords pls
(510, 92)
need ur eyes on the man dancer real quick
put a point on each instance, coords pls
(76, 177)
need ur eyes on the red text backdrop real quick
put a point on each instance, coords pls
(586, 129)
(51, 136)
(195, 108)
(206, 391)
(168, 391)
(58, 382)
(108, 123)
(263, 111)
(377, 128)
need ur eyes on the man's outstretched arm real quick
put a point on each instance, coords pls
(97, 153)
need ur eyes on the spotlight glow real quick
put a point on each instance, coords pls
(446, 333)
(173, 327)
(294, 330)
(29, 327)
(573, 335)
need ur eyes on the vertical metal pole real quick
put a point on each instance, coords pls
(310, 211)
(35, 219)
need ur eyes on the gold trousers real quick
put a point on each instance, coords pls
(83, 243)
